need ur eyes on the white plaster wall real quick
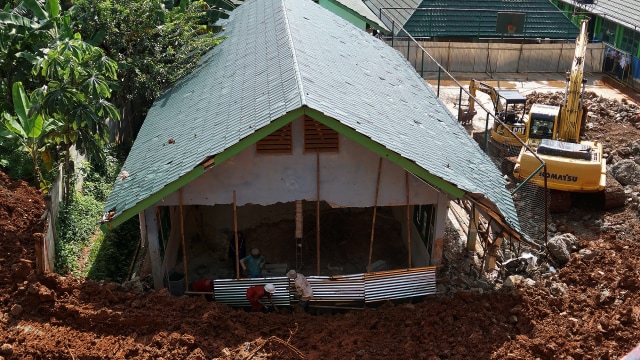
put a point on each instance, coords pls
(419, 254)
(347, 179)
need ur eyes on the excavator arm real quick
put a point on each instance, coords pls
(474, 86)
(569, 129)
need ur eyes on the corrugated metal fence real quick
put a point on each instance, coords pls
(497, 57)
(340, 289)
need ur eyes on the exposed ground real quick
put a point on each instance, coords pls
(589, 309)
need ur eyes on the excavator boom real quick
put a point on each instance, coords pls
(572, 165)
(569, 129)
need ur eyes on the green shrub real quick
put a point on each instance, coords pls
(76, 223)
(112, 255)
(16, 164)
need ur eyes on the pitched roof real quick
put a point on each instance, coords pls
(624, 12)
(285, 55)
(362, 10)
(478, 18)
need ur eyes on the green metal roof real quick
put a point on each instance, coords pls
(361, 10)
(477, 18)
(284, 58)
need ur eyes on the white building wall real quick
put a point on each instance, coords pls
(347, 179)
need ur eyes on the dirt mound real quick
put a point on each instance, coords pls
(589, 309)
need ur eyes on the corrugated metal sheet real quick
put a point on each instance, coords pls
(499, 58)
(399, 284)
(354, 288)
(337, 288)
(234, 292)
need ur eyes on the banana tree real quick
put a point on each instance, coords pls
(29, 128)
(77, 85)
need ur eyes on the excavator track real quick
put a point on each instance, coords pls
(560, 201)
(614, 196)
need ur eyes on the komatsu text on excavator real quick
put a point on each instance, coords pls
(553, 132)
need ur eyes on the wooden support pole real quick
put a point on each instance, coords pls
(318, 212)
(184, 248)
(152, 225)
(472, 234)
(492, 252)
(235, 232)
(406, 180)
(375, 210)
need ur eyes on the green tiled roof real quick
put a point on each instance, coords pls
(477, 18)
(283, 58)
(623, 12)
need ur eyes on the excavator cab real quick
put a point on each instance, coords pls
(512, 114)
(543, 120)
(509, 108)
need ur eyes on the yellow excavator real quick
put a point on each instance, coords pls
(511, 113)
(553, 133)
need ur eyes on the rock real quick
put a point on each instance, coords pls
(16, 310)
(559, 249)
(558, 289)
(22, 269)
(512, 319)
(135, 286)
(197, 354)
(513, 280)
(627, 172)
(587, 254)
(46, 294)
(516, 309)
(6, 349)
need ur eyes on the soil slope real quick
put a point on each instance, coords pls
(597, 316)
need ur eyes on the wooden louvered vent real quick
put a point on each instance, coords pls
(278, 142)
(319, 137)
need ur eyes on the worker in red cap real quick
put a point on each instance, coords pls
(203, 286)
(256, 293)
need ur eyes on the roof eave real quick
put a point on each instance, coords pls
(199, 169)
(392, 156)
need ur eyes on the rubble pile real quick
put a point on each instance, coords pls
(601, 110)
(621, 148)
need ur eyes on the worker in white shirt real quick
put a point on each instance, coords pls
(304, 290)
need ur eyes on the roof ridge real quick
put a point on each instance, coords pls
(303, 100)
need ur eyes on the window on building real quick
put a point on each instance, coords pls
(424, 218)
(278, 142)
(608, 31)
(319, 137)
(630, 41)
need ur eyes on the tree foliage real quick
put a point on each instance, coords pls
(29, 127)
(152, 45)
(69, 80)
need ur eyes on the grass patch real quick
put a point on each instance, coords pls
(112, 253)
(75, 226)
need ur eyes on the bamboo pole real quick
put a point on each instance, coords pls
(406, 181)
(375, 210)
(184, 248)
(318, 212)
(235, 232)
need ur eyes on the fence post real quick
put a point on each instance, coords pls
(439, 71)
(460, 104)
(422, 64)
